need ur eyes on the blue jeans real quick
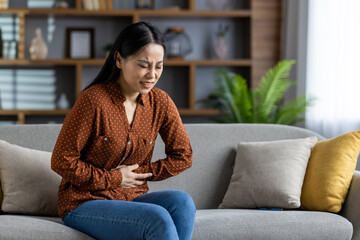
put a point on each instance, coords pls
(162, 215)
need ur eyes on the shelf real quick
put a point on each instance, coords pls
(51, 62)
(234, 62)
(21, 114)
(121, 13)
(34, 112)
(198, 13)
(168, 62)
(203, 112)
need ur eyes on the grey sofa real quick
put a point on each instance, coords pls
(214, 148)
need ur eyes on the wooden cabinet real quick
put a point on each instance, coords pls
(253, 39)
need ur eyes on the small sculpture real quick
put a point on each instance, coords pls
(38, 48)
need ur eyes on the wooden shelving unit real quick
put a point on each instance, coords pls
(21, 114)
(264, 18)
(62, 62)
(130, 13)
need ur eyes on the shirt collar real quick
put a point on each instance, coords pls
(117, 96)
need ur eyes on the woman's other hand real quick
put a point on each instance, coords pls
(131, 179)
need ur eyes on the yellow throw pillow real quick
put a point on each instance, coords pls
(330, 169)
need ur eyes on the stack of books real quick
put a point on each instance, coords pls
(28, 89)
(4, 4)
(40, 3)
(97, 4)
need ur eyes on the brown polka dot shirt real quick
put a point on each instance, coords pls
(96, 137)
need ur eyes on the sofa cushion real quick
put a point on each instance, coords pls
(229, 224)
(15, 227)
(331, 167)
(234, 224)
(269, 174)
(29, 185)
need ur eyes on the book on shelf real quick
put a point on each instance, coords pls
(97, 4)
(40, 3)
(102, 5)
(88, 5)
(4, 4)
(109, 4)
(85, 5)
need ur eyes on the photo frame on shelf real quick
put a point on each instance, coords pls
(144, 4)
(80, 43)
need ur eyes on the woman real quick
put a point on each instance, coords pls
(105, 146)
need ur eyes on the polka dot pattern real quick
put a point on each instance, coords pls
(96, 137)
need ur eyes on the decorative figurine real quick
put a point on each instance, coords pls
(38, 48)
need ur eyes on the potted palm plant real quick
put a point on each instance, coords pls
(240, 104)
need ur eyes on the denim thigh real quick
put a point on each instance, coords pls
(180, 206)
(116, 219)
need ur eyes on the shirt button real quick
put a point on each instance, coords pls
(129, 143)
(105, 139)
(150, 142)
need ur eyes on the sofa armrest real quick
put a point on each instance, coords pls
(351, 207)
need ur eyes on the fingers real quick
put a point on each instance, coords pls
(130, 167)
(133, 167)
(138, 183)
(130, 178)
(142, 175)
(134, 184)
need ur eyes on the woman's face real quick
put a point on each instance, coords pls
(141, 71)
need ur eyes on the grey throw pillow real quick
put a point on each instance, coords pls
(269, 174)
(29, 185)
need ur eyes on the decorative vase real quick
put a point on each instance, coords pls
(63, 102)
(220, 47)
(178, 43)
(38, 48)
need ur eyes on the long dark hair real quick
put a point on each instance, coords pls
(129, 41)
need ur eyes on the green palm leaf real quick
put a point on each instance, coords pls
(293, 111)
(242, 98)
(271, 89)
(224, 80)
(240, 104)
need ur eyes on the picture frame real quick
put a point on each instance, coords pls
(80, 43)
(144, 4)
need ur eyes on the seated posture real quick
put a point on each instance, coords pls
(105, 146)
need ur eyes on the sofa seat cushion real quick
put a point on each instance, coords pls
(209, 225)
(17, 227)
(265, 224)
